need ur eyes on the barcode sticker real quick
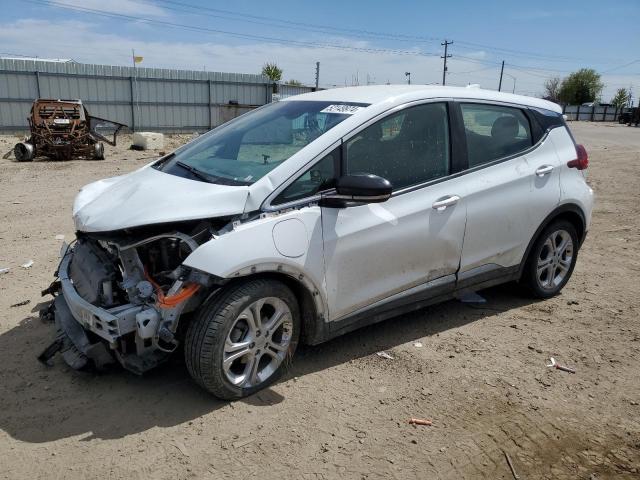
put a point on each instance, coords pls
(344, 109)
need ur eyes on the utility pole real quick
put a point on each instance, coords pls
(501, 72)
(408, 75)
(317, 74)
(445, 44)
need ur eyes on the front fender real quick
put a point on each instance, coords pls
(288, 243)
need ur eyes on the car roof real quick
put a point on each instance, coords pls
(398, 94)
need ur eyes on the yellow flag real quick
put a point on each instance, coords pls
(137, 59)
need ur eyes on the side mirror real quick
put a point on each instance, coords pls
(359, 188)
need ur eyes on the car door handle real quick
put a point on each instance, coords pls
(445, 202)
(543, 170)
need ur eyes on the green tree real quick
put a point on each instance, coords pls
(272, 71)
(580, 87)
(293, 82)
(621, 98)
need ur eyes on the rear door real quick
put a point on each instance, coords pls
(375, 252)
(511, 185)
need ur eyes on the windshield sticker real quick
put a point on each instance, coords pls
(344, 109)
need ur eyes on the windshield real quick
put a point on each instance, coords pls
(248, 148)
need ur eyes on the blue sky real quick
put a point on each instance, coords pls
(356, 42)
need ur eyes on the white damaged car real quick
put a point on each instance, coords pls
(311, 217)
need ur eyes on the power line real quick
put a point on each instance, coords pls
(280, 23)
(265, 20)
(396, 36)
(104, 13)
(533, 71)
(469, 71)
(521, 53)
(621, 66)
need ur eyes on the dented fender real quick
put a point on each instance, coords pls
(288, 243)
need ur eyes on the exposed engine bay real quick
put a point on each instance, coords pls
(120, 296)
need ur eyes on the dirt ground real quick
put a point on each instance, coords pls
(341, 411)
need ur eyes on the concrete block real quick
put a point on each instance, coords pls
(148, 140)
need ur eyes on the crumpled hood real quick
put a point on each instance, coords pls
(148, 196)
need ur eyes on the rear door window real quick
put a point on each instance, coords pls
(494, 132)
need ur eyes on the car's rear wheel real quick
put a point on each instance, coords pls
(240, 341)
(551, 260)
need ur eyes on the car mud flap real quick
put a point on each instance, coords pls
(72, 342)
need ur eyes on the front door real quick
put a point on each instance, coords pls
(373, 252)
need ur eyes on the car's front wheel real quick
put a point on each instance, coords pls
(241, 339)
(551, 260)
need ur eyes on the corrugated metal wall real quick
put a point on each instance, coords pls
(144, 98)
(597, 113)
(290, 90)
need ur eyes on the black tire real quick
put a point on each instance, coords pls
(98, 151)
(534, 284)
(24, 152)
(206, 335)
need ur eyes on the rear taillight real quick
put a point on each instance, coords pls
(582, 162)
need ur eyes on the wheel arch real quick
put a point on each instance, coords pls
(570, 212)
(313, 310)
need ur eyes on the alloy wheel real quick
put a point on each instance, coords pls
(554, 260)
(257, 342)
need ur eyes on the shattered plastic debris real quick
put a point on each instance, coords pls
(418, 345)
(27, 264)
(420, 421)
(511, 467)
(4, 270)
(553, 364)
(384, 355)
(60, 237)
(471, 297)
(20, 304)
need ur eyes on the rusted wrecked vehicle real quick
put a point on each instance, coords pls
(62, 130)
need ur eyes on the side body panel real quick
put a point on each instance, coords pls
(573, 185)
(375, 251)
(506, 202)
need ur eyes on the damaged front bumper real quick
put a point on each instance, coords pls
(72, 341)
(139, 334)
(108, 324)
(74, 317)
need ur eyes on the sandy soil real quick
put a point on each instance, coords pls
(341, 410)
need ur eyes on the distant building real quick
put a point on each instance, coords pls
(40, 59)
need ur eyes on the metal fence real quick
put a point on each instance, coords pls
(142, 98)
(597, 113)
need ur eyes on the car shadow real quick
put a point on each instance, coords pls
(42, 404)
